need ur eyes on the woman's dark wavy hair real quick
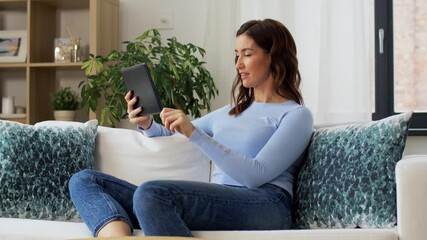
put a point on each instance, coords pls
(275, 39)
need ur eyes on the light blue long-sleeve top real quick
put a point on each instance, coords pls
(264, 144)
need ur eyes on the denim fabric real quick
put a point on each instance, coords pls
(174, 208)
(101, 198)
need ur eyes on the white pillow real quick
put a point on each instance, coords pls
(130, 155)
(64, 124)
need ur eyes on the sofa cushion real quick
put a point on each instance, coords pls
(36, 163)
(12, 229)
(128, 154)
(348, 178)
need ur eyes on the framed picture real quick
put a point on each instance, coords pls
(13, 46)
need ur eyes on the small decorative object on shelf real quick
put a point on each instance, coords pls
(68, 49)
(20, 110)
(75, 55)
(13, 46)
(63, 48)
(8, 105)
(64, 103)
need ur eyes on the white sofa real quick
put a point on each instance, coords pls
(129, 155)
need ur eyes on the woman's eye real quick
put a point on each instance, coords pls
(244, 55)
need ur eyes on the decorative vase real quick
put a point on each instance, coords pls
(64, 115)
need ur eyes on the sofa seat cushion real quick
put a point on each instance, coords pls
(18, 228)
(128, 154)
(348, 178)
(30, 229)
(312, 234)
(36, 163)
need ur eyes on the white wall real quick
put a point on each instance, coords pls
(189, 26)
(188, 16)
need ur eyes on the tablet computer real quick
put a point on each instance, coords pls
(138, 79)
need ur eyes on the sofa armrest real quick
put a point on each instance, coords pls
(411, 187)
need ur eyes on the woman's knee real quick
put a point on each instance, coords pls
(80, 179)
(150, 194)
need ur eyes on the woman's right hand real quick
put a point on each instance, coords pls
(143, 121)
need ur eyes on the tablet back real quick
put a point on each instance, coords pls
(138, 79)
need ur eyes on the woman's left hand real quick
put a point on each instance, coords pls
(176, 120)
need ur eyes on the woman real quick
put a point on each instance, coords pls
(257, 143)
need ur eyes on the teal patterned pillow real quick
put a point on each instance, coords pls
(348, 178)
(36, 164)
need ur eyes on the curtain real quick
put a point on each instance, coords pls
(335, 43)
(335, 46)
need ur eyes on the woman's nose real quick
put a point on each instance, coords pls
(239, 63)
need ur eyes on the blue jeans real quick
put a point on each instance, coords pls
(174, 208)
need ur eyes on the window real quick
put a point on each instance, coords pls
(401, 61)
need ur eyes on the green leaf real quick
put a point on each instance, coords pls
(64, 99)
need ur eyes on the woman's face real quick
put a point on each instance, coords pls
(252, 63)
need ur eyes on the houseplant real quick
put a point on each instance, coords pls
(64, 103)
(181, 78)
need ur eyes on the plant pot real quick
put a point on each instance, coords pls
(64, 115)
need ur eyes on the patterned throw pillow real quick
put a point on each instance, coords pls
(348, 178)
(36, 164)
